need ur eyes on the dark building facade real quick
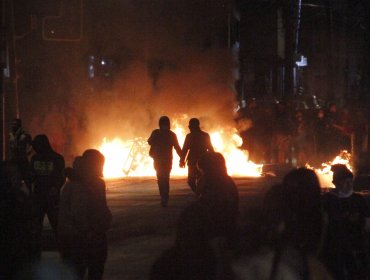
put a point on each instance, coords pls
(278, 38)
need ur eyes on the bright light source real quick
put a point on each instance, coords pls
(103, 62)
(302, 62)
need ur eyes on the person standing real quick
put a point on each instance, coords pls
(47, 167)
(197, 142)
(99, 217)
(217, 191)
(73, 225)
(344, 250)
(15, 221)
(162, 141)
(19, 147)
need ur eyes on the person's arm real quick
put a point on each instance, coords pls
(184, 151)
(152, 137)
(209, 144)
(99, 215)
(177, 146)
(61, 167)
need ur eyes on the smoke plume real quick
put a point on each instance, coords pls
(170, 58)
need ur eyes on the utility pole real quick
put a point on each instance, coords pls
(14, 45)
(2, 69)
(289, 16)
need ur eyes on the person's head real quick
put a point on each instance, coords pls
(212, 163)
(342, 179)
(41, 144)
(16, 124)
(93, 163)
(303, 189)
(164, 123)
(194, 124)
(301, 194)
(76, 170)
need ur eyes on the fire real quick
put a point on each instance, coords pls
(325, 175)
(131, 157)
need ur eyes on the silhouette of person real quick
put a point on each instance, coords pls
(302, 209)
(19, 146)
(344, 249)
(73, 224)
(99, 217)
(47, 167)
(291, 229)
(15, 221)
(217, 191)
(162, 141)
(192, 256)
(196, 143)
(203, 227)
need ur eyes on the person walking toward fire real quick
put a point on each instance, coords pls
(197, 142)
(47, 168)
(161, 142)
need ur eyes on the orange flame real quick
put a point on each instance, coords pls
(325, 174)
(131, 158)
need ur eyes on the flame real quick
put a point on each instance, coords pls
(131, 157)
(325, 174)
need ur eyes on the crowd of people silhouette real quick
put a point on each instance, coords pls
(299, 232)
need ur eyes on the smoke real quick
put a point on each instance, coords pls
(170, 58)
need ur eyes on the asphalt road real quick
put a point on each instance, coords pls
(142, 229)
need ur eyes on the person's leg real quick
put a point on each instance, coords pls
(97, 256)
(163, 177)
(38, 214)
(192, 177)
(52, 214)
(74, 254)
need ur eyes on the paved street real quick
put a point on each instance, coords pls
(142, 229)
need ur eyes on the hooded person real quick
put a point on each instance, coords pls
(344, 249)
(73, 226)
(196, 143)
(162, 141)
(99, 217)
(47, 167)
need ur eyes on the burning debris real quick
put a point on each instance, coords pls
(325, 174)
(131, 157)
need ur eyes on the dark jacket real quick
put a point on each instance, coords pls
(161, 143)
(195, 145)
(47, 166)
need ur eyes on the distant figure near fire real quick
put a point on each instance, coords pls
(161, 142)
(197, 142)
(19, 146)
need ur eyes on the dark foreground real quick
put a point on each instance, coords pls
(142, 229)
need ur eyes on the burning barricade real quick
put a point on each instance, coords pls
(130, 158)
